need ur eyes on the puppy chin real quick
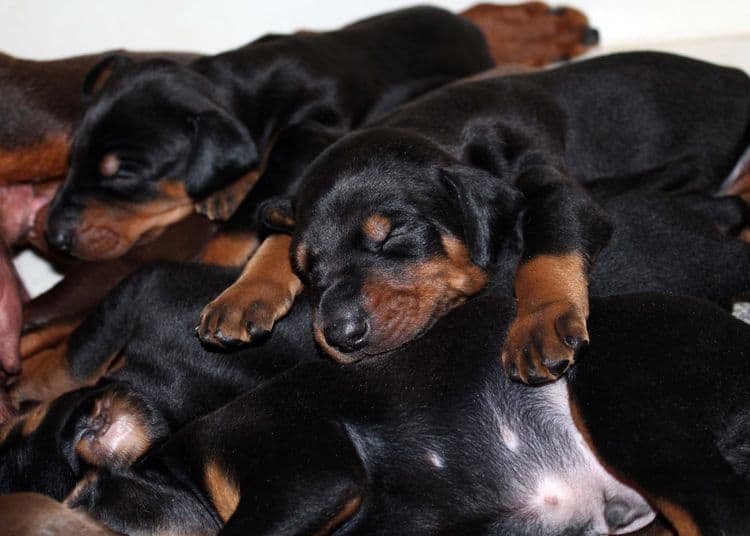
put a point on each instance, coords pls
(104, 244)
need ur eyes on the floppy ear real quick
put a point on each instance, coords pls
(222, 151)
(276, 214)
(99, 74)
(489, 207)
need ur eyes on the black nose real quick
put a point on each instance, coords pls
(348, 332)
(59, 239)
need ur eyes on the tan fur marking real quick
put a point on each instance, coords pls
(549, 278)
(262, 294)
(47, 375)
(279, 219)
(348, 510)
(89, 479)
(553, 305)
(109, 165)
(8, 426)
(44, 160)
(221, 204)
(401, 306)
(34, 418)
(300, 256)
(230, 248)
(122, 436)
(223, 492)
(36, 340)
(377, 227)
(679, 518)
(107, 231)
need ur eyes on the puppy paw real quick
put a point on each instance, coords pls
(243, 315)
(532, 33)
(542, 344)
(220, 205)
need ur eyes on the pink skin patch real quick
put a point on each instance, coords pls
(11, 297)
(19, 205)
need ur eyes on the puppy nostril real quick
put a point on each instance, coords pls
(355, 330)
(347, 334)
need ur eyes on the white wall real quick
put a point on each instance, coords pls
(53, 28)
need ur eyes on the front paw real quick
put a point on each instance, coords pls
(239, 317)
(542, 344)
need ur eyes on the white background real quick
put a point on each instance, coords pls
(52, 28)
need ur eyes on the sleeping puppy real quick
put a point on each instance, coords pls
(374, 449)
(476, 185)
(158, 377)
(439, 441)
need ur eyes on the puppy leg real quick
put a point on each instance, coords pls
(264, 292)
(94, 348)
(564, 230)
(532, 33)
(222, 204)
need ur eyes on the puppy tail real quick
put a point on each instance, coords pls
(532, 34)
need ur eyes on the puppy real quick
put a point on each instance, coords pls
(139, 340)
(476, 185)
(374, 449)
(438, 440)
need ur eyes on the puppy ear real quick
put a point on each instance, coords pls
(276, 214)
(489, 207)
(99, 74)
(222, 151)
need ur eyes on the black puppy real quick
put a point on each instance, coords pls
(159, 136)
(140, 339)
(398, 223)
(438, 441)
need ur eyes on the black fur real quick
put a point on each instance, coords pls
(148, 319)
(533, 137)
(209, 122)
(414, 444)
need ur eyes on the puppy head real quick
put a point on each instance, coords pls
(46, 446)
(392, 233)
(154, 139)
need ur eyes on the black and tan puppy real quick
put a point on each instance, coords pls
(159, 136)
(373, 449)
(438, 441)
(453, 193)
(158, 378)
